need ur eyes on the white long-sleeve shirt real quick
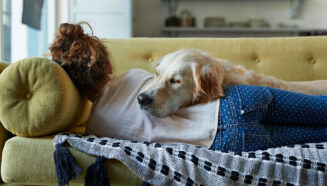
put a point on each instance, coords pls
(117, 114)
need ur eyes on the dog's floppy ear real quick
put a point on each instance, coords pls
(158, 62)
(208, 80)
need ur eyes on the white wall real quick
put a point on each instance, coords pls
(108, 18)
(18, 32)
(26, 41)
(61, 12)
(149, 15)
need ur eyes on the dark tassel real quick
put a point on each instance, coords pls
(66, 165)
(144, 183)
(96, 174)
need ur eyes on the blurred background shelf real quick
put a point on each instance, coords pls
(295, 8)
(236, 32)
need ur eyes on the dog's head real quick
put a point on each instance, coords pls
(182, 78)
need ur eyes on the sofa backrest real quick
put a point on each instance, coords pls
(288, 58)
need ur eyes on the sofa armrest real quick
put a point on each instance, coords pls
(3, 65)
(4, 135)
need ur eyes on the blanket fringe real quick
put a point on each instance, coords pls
(96, 174)
(144, 183)
(66, 165)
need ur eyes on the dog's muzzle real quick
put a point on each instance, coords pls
(144, 99)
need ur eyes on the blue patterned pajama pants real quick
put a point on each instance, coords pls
(253, 118)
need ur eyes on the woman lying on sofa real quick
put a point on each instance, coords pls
(248, 118)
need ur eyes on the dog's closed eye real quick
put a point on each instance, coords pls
(174, 81)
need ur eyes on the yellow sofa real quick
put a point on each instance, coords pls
(29, 160)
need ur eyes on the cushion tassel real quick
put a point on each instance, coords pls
(66, 165)
(96, 174)
(144, 183)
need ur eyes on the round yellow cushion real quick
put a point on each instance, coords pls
(38, 98)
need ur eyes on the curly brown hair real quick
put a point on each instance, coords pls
(84, 58)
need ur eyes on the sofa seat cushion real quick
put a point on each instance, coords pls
(30, 161)
(40, 99)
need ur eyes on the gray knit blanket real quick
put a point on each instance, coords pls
(184, 164)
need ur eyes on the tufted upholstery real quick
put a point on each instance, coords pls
(289, 58)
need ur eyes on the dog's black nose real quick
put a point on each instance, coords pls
(144, 99)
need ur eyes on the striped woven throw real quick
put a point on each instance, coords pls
(184, 164)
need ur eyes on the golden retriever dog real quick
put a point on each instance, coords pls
(189, 76)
